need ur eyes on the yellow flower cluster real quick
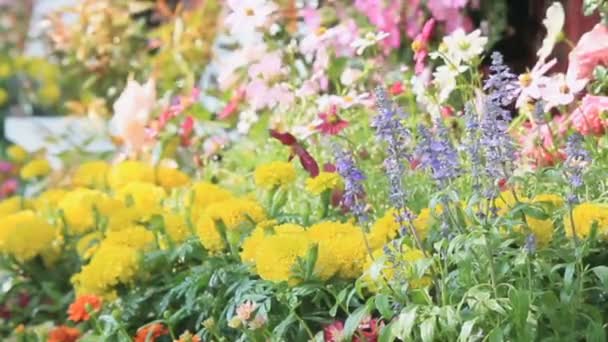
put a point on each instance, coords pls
(382, 268)
(16, 154)
(202, 195)
(230, 214)
(275, 174)
(92, 174)
(12, 205)
(386, 228)
(584, 217)
(322, 182)
(24, 235)
(273, 250)
(38, 167)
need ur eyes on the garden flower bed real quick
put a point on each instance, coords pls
(351, 172)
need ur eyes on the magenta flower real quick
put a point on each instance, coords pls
(306, 160)
(332, 123)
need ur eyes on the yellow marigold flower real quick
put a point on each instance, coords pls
(275, 174)
(170, 178)
(124, 217)
(176, 227)
(49, 94)
(38, 167)
(265, 228)
(543, 229)
(324, 181)
(88, 244)
(209, 234)
(383, 230)
(425, 220)
(144, 197)
(25, 235)
(11, 205)
(48, 200)
(16, 153)
(252, 242)
(137, 237)
(203, 194)
(345, 242)
(80, 208)
(236, 211)
(585, 215)
(92, 174)
(130, 171)
(506, 200)
(277, 255)
(110, 266)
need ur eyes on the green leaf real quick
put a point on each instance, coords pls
(405, 323)
(384, 307)
(602, 273)
(496, 335)
(467, 329)
(520, 303)
(352, 322)
(427, 329)
(595, 333)
(386, 334)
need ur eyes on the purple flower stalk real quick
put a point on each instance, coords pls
(437, 154)
(472, 146)
(576, 161)
(390, 130)
(354, 193)
(498, 145)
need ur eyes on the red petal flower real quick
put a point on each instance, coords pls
(334, 332)
(186, 130)
(308, 162)
(285, 138)
(396, 88)
(232, 105)
(154, 330)
(332, 124)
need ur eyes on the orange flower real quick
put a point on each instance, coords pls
(83, 306)
(188, 337)
(63, 333)
(154, 330)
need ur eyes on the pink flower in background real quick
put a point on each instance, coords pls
(9, 187)
(538, 145)
(420, 45)
(132, 111)
(247, 15)
(186, 130)
(6, 167)
(213, 145)
(414, 18)
(257, 94)
(591, 118)
(396, 88)
(245, 310)
(268, 67)
(591, 50)
(312, 18)
(386, 18)
(450, 12)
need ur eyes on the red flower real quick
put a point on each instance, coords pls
(186, 130)
(83, 306)
(63, 333)
(368, 331)
(447, 112)
(5, 313)
(308, 162)
(396, 88)
(232, 105)
(9, 187)
(332, 124)
(154, 331)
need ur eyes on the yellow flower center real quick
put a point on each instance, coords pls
(525, 79)
(249, 12)
(417, 45)
(564, 89)
(321, 30)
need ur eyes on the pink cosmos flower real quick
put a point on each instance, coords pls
(6, 167)
(591, 50)
(132, 111)
(538, 145)
(450, 12)
(386, 18)
(420, 45)
(9, 187)
(396, 88)
(186, 130)
(591, 118)
(268, 67)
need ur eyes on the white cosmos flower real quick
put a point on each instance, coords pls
(248, 15)
(462, 47)
(370, 39)
(445, 79)
(246, 120)
(554, 22)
